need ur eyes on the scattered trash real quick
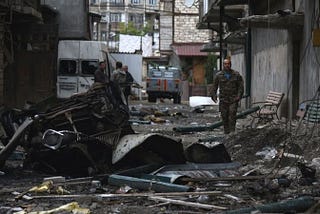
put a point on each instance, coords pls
(5, 209)
(195, 101)
(268, 153)
(124, 189)
(44, 187)
(144, 184)
(71, 207)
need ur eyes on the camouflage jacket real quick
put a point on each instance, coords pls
(230, 86)
(118, 76)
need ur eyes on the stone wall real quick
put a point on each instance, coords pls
(185, 22)
(186, 31)
(165, 32)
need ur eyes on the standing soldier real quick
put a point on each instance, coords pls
(231, 89)
(99, 74)
(118, 75)
(129, 82)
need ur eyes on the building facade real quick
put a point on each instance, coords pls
(117, 16)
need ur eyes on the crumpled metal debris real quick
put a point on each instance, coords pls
(207, 153)
(75, 135)
(141, 149)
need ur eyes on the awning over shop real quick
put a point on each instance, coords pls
(192, 49)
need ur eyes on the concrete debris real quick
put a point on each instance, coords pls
(73, 136)
(252, 170)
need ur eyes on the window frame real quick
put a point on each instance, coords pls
(68, 74)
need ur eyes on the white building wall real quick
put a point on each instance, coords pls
(271, 64)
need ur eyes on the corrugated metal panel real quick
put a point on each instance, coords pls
(188, 50)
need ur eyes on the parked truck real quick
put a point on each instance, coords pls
(78, 56)
(164, 82)
(77, 62)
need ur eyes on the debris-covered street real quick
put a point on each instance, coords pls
(152, 167)
(169, 106)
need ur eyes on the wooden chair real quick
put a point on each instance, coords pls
(269, 108)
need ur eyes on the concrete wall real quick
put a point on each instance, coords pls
(310, 55)
(239, 64)
(73, 18)
(271, 64)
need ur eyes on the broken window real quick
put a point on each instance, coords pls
(67, 67)
(88, 67)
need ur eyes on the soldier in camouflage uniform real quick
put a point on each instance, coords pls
(231, 89)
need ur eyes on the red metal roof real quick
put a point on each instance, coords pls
(192, 49)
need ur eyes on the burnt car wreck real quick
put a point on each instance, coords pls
(72, 135)
(86, 134)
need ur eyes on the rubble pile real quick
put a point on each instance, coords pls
(128, 166)
(71, 135)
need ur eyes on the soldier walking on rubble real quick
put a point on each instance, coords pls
(231, 89)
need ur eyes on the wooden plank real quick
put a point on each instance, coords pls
(189, 204)
(274, 97)
(146, 194)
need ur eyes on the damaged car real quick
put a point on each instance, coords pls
(72, 136)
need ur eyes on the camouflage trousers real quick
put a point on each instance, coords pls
(228, 115)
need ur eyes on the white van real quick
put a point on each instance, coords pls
(77, 62)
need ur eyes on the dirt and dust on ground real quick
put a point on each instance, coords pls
(277, 172)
